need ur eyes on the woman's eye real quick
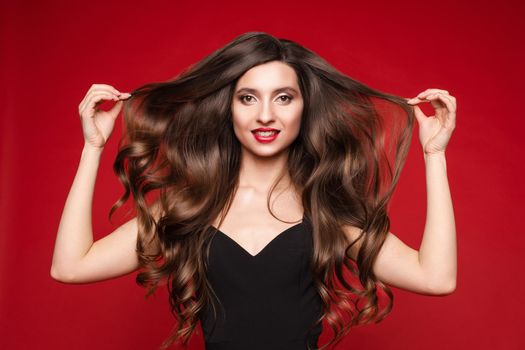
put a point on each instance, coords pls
(243, 98)
(286, 97)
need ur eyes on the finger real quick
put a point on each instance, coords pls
(445, 99)
(449, 119)
(422, 97)
(124, 95)
(95, 88)
(116, 109)
(416, 100)
(430, 91)
(118, 95)
(103, 87)
(103, 90)
(420, 116)
(98, 95)
(98, 98)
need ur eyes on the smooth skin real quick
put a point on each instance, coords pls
(430, 270)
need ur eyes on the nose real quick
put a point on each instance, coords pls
(266, 113)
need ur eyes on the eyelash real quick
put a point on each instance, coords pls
(243, 96)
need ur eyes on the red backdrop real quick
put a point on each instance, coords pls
(53, 51)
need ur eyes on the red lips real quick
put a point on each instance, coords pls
(265, 129)
(265, 139)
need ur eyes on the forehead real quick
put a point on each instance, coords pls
(268, 75)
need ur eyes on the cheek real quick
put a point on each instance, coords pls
(297, 117)
(240, 116)
(240, 124)
(296, 127)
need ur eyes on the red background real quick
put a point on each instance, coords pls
(53, 51)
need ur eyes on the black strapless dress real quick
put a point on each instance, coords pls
(268, 300)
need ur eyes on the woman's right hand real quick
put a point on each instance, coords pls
(97, 124)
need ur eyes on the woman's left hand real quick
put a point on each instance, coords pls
(435, 131)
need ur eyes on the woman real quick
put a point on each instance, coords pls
(261, 271)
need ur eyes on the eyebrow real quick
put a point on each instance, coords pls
(254, 91)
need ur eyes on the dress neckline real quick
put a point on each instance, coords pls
(267, 246)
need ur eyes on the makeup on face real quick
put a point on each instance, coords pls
(267, 107)
(265, 135)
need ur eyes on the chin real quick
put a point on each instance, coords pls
(264, 153)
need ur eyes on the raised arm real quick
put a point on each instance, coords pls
(432, 269)
(76, 258)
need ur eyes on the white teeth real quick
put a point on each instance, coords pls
(266, 133)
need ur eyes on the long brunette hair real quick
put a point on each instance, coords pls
(179, 143)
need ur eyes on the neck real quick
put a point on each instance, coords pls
(261, 172)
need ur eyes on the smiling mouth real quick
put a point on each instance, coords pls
(268, 133)
(265, 136)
